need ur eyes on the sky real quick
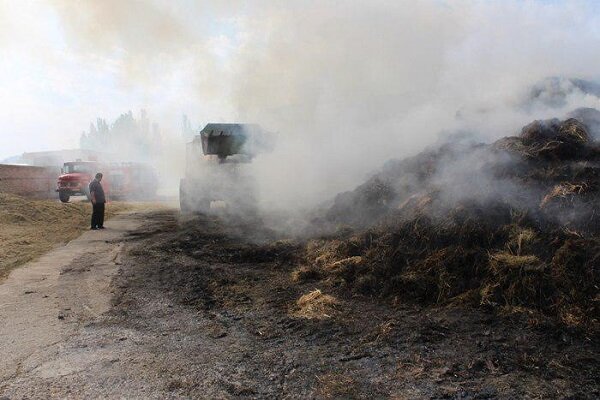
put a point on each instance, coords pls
(346, 85)
(52, 86)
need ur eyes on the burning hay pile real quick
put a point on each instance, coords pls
(514, 225)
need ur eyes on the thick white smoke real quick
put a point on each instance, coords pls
(345, 85)
(349, 85)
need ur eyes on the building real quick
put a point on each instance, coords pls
(57, 158)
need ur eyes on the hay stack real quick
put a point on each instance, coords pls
(527, 239)
(570, 130)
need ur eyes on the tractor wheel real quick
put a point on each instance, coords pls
(189, 202)
(184, 204)
(202, 206)
(64, 197)
(189, 206)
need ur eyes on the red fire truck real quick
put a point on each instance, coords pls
(120, 180)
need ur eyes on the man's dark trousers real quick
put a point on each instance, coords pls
(97, 215)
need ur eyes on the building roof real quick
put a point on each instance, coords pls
(58, 157)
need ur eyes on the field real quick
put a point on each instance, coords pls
(30, 228)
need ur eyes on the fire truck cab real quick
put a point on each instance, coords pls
(120, 180)
(75, 178)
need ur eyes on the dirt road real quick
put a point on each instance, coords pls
(29, 228)
(160, 307)
(48, 301)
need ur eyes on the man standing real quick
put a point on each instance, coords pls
(98, 200)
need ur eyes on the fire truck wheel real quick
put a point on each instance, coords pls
(64, 197)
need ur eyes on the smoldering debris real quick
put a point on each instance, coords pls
(241, 240)
(590, 117)
(512, 225)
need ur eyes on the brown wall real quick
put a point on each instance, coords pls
(28, 181)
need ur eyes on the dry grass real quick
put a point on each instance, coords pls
(337, 386)
(305, 273)
(565, 190)
(417, 202)
(315, 305)
(323, 252)
(574, 131)
(504, 260)
(344, 263)
(515, 281)
(30, 228)
(520, 239)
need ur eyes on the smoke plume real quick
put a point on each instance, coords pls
(345, 85)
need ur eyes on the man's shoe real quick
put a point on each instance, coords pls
(101, 227)
(93, 229)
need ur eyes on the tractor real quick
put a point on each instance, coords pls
(216, 167)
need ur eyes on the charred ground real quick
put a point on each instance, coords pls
(228, 315)
(467, 271)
